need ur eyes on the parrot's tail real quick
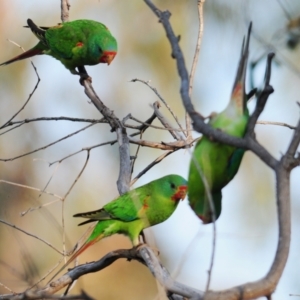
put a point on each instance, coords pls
(27, 54)
(76, 254)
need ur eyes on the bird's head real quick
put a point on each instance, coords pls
(177, 186)
(107, 46)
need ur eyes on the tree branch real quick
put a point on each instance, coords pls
(142, 254)
(198, 122)
(123, 181)
(65, 7)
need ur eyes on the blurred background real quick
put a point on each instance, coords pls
(246, 230)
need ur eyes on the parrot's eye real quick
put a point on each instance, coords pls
(173, 186)
(100, 50)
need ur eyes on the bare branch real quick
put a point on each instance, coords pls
(155, 162)
(116, 125)
(162, 146)
(266, 285)
(275, 123)
(78, 176)
(30, 95)
(109, 115)
(124, 178)
(32, 188)
(295, 142)
(163, 276)
(194, 64)
(48, 145)
(162, 100)
(32, 235)
(198, 122)
(25, 121)
(164, 121)
(142, 254)
(65, 7)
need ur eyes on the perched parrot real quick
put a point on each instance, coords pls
(219, 162)
(76, 44)
(129, 214)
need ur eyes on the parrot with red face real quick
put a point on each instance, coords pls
(75, 44)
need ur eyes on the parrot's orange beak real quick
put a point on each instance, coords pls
(108, 57)
(180, 193)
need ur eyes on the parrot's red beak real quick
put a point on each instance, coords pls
(180, 193)
(108, 57)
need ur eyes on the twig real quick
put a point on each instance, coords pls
(266, 285)
(164, 121)
(31, 188)
(194, 65)
(142, 128)
(108, 114)
(65, 7)
(147, 124)
(6, 287)
(30, 95)
(198, 122)
(48, 145)
(163, 276)
(294, 146)
(207, 189)
(162, 100)
(25, 121)
(32, 235)
(142, 254)
(123, 181)
(79, 175)
(66, 195)
(43, 277)
(276, 123)
(31, 295)
(155, 162)
(116, 125)
(164, 146)
(31, 209)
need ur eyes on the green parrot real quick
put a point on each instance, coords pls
(219, 162)
(129, 214)
(76, 44)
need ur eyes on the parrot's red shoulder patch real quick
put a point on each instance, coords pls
(79, 44)
(145, 203)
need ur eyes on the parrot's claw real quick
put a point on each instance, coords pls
(142, 245)
(84, 77)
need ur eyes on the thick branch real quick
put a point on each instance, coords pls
(142, 254)
(198, 121)
(123, 182)
(267, 285)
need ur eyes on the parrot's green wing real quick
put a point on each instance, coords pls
(134, 211)
(75, 44)
(125, 208)
(63, 38)
(216, 161)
